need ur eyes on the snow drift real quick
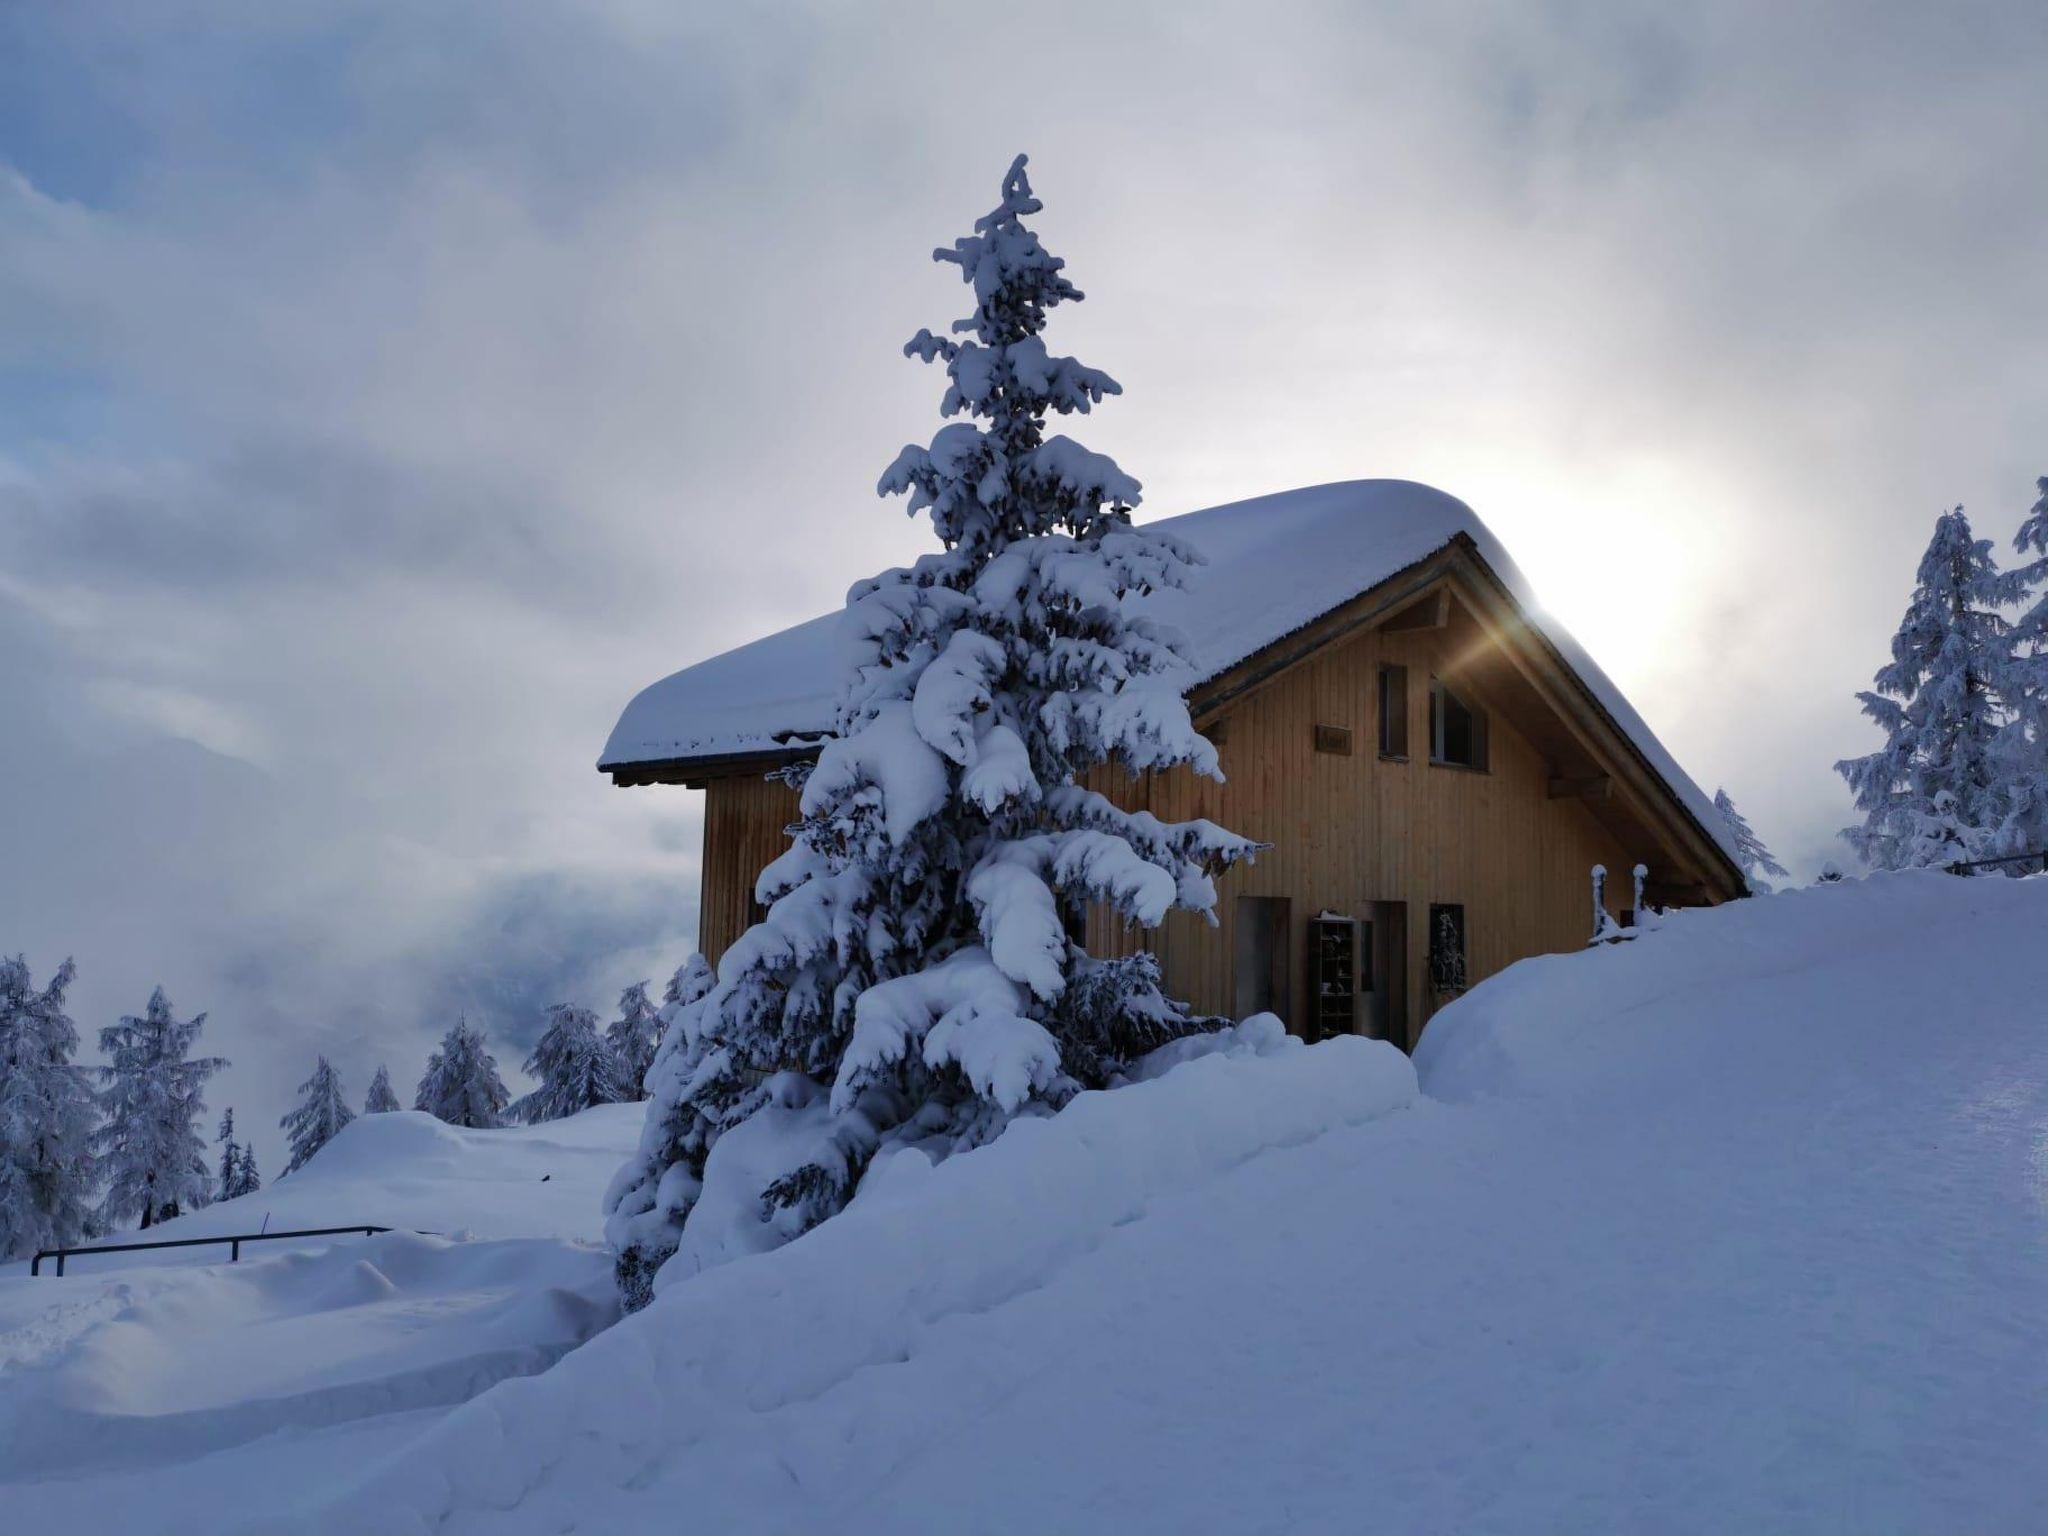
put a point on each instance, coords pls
(1739, 1226)
(921, 1249)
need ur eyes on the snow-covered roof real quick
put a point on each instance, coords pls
(1275, 564)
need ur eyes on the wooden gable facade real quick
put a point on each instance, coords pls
(1436, 785)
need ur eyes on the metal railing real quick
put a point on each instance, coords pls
(233, 1240)
(1963, 867)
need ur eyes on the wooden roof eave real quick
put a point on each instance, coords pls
(1485, 595)
(694, 772)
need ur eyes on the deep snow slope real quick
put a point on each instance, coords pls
(1742, 1226)
(174, 1391)
(408, 1170)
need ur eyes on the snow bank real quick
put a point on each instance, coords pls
(1736, 1227)
(408, 1170)
(1573, 1022)
(921, 1247)
(165, 1390)
(173, 1363)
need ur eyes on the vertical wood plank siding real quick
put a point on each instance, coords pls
(744, 822)
(1351, 831)
(1347, 831)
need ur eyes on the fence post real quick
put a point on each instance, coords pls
(60, 1264)
(234, 1250)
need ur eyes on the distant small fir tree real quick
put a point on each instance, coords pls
(633, 1037)
(247, 1179)
(461, 1085)
(318, 1118)
(380, 1099)
(575, 1067)
(230, 1155)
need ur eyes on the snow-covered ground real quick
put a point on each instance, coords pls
(171, 1391)
(1740, 1226)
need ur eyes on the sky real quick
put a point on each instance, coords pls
(388, 392)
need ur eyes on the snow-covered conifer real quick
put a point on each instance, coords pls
(380, 1099)
(461, 1084)
(693, 978)
(1750, 852)
(1941, 789)
(230, 1156)
(916, 975)
(47, 1176)
(150, 1151)
(317, 1118)
(247, 1179)
(575, 1067)
(633, 1036)
(2024, 745)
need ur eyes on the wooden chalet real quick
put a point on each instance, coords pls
(1437, 765)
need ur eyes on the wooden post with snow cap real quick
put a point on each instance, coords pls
(1599, 903)
(1635, 918)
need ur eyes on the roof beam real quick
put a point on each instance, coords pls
(1433, 612)
(1594, 787)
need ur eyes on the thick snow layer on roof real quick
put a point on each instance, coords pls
(1275, 564)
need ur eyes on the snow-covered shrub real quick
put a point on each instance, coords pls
(461, 1084)
(318, 1116)
(151, 1155)
(1954, 780)
(47, 1177)
(915, 978)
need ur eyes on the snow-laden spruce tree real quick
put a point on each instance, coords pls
(380, 1100)
(317, 1118)
(574, 1066)
(247, 1179)
(230, 1157)
(693, 978)
(1943, 786)
(152, 1094)
(47, 1177)
(633, 1036)
(461, 1084)
(916, 977)
(2025, 743)
(1750, 853)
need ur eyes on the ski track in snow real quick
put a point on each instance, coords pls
(1740, 1226)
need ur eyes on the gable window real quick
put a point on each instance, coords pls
(1457, 729)
(1393, 706)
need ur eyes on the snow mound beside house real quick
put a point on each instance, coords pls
(1742, 1225)
(906, 1273)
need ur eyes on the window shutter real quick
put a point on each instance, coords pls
(1479, 744)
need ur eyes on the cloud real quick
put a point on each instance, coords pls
(386, 393)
